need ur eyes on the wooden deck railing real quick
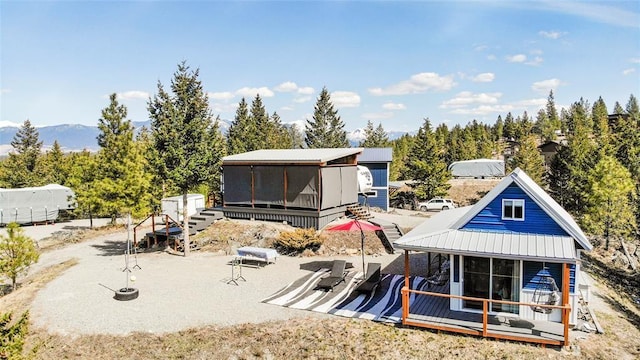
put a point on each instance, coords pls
(485, 311)
(153, 227)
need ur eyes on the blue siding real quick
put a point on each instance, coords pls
(379, 201)
(536, 221)
(531, 271)
(378, 172)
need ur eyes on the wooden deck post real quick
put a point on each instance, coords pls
(565, 302)
(405, 288)
(485, 320)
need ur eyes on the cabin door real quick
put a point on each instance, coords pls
(497, 279)
(476, 276)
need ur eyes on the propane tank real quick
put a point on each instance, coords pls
(365, 180)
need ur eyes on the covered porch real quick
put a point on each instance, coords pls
(432, 309)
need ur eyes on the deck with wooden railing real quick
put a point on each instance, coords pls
(432, 310)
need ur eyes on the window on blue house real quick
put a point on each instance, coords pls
(512, 209)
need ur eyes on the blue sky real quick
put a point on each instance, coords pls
(393, 63)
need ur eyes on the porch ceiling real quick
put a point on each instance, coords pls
(533, 247)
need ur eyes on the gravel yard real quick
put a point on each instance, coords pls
(175, 293)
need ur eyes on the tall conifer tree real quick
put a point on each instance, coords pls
(426, 167)
(181, 123)
(325, 129)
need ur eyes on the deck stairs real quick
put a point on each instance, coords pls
(390, 231)
(359, 212)
(203, 219)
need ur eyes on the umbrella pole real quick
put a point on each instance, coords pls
(361, 246)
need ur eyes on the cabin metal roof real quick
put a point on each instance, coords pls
(290, 156)
(376, 155)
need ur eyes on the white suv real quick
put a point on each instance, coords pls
(437, 204)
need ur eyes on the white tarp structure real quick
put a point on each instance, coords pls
(172, 206)
(34, 204)
(478, 168)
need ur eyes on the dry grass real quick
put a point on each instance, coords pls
(308, 338)
(468, 191)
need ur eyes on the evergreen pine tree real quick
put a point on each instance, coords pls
(401, 147)
(529, 159)
(374, 138)
(611, 192)
(238, 130)
(259, 128)
(552, 116)
(601, 132)
(122, 183)
(325, 129)
(509, 127)
(426, 167)
(19, 168)
(180, 123)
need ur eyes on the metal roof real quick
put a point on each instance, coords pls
(509, 245)
(376, 155)
(291, 156)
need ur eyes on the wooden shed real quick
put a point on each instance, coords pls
(306, 188)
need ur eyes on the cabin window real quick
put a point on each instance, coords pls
(512, 209)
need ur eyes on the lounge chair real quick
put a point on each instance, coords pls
(371, 279)
(337, 275)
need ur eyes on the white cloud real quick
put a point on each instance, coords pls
(491, 57)
(302, 99)
(345, 99)
(287, 86)
(628, 71)
(300, 124)
(133, 95)
(394, 106)
(5, 91)
(248, 92)
(551, 34)
(536, 61)
(377, 116)
(545, 86)
(519, 58)
(418, 83)
(481, 48)
(223, 108)
(4, 123)
(224, 95)
(306, 90)
(484, 77)
(634, 60)
(465, 98)
(531, 102)
(287, 108)
(484, 110)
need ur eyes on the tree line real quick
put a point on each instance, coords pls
(595, 174)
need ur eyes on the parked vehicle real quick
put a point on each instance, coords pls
(437, 204)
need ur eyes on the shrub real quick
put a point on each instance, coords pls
(12, 335)
(297, 241)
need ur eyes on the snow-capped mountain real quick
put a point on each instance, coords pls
(75, 137)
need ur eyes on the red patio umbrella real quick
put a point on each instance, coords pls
(357, 225)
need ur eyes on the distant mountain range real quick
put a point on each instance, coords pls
(74, 137)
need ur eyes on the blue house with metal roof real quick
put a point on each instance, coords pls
(515, 253)
(378, 160)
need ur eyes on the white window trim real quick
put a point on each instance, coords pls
(514, 202)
